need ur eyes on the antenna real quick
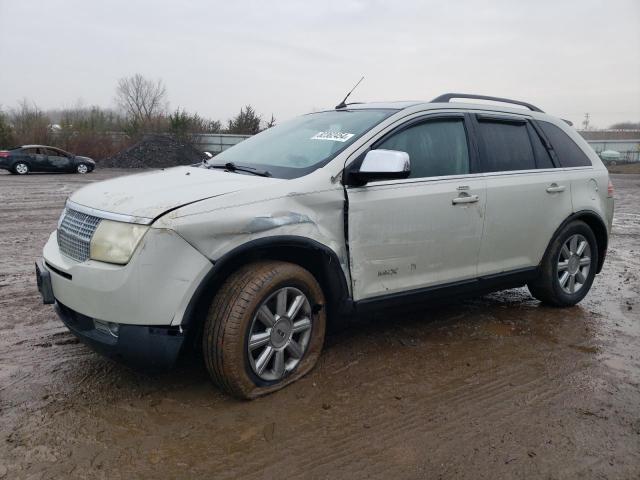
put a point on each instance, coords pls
(342, 104)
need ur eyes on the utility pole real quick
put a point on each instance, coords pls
(585, 122)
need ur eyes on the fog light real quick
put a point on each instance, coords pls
(109, 328)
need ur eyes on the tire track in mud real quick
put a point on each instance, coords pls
(459, 403)
(525, 386)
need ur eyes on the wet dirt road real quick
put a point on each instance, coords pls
(495, 387)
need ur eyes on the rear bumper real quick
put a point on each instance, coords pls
(144, 347)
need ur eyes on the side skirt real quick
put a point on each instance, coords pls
(453, 290)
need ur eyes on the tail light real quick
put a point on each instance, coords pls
(610, 190)
(4, 153)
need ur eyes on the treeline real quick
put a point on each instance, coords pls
(97, 132)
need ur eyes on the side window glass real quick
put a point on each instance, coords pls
(435, 148)
(569, 154)
(543, 159)
(506, 146)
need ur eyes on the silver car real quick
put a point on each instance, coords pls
(331, 214)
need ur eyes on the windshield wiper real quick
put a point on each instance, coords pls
(232, 167)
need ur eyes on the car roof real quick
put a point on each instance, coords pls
(424, 105)
(409, 107)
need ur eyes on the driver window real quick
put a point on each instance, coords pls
(435, 148)
(53, 153)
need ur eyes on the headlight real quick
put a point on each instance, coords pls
(115, 242)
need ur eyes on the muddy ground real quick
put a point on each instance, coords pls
(495, 387)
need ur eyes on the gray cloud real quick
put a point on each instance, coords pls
(289, 57)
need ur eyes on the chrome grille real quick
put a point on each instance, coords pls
(74, 234)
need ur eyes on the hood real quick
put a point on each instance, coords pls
(151, 194)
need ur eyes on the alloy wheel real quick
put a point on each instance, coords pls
(279, 334)
(22, 168)
(574, 263)
(82, 168)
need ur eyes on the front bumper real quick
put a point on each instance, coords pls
(154, 288)
(146, 347)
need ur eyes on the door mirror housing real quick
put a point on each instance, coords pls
(380, 165)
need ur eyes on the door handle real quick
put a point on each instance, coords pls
(465, 198)
(555, 188)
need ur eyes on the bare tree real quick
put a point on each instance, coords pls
(7, 137)
(30, 124)
(625, 126)
(270, 123)
(141, 99)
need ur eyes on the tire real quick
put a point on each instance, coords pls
(21, 168)
(82, 168)
(564, 263)
(295, 344)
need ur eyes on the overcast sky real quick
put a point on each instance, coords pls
(291, 57)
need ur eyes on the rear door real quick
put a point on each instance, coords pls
(425, 230)
(41, 161)
(28, 155)
(527, 196)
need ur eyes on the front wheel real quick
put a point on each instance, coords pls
(21, 168)
(82, 168)
(568, 268)
(265, 328)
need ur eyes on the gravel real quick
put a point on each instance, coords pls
(154, 151)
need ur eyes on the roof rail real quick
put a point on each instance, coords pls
(448, 96)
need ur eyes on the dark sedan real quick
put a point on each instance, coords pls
(40, 158)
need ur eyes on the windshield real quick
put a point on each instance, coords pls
(302, 145)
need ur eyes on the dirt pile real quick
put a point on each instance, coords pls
(154, 151)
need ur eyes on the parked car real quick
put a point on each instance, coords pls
(40, 158)
(332, 214)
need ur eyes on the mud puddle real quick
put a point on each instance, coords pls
(495, 387)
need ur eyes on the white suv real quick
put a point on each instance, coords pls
(331, 214)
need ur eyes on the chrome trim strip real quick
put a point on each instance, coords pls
(506, 173)
(116, 217)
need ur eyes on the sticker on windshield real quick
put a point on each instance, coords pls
(333, 136)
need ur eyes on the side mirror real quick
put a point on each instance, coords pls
(380, 165)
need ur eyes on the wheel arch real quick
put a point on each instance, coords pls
(317, 258)
(597, 226)
(21, 160)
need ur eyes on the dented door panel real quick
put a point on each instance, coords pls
(406, 235)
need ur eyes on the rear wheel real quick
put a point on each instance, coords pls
(21, 168)
(568, 268)
(265, 328)
(82, 168)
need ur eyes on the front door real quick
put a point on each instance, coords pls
(425, 230)
(57, 160)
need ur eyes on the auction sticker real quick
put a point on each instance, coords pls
(332, 136)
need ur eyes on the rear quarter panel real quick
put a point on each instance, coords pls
(589, 184)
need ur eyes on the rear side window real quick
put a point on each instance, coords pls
(435, 148)
(505, 146)
(569, 154)
(543, 159)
